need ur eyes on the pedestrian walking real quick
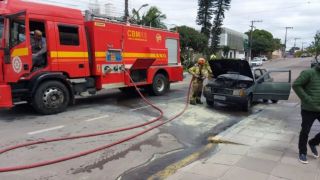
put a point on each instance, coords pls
(199, 73)
(307, 87)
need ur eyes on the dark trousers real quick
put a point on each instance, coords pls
(308, 119)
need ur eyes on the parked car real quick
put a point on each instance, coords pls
(264, 58)
(313, 63)
(234, 83)
(257, 61)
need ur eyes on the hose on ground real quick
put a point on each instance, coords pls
(84, 153)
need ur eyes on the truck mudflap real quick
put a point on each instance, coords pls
(5, 96)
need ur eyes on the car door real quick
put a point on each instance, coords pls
(273, 85)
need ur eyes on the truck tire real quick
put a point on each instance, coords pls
(160, 85)
(51, 97)
(274, 101)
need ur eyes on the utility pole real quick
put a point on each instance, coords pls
(302, 46)
(250, 40)
(285, 41)
(126, 10)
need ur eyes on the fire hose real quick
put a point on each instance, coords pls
(84, 153)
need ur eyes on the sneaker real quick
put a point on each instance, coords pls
(314, 151)
(303, 159)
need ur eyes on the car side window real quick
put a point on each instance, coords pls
(257, 73)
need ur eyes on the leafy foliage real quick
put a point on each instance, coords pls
(153, 17)
(225, 50)
(263, 42)
(204, 17)
(316, 44)
(220, 6)
(191, 38)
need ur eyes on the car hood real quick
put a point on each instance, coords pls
(220, 67)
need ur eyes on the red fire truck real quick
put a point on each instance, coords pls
(83, 54)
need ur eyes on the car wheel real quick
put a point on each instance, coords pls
(51, 97)
(265, 100)
(210, 103)
(246, 107)
(160, 85)
(274, 101)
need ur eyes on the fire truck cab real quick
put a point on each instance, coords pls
(78, 54)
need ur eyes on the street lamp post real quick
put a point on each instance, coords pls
(302, 46)
(251, 37)
(285, 41)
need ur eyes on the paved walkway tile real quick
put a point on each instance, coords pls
(234, 149)
(209, 169)
(267, 154)
(259, 165)
(189, 176)
(294, 172)
(226, 159)
(237, 173)
(276, 178)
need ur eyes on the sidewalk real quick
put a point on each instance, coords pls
(269, 152)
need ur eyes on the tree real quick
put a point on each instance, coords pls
(204, 17)
(220, 7)
(192, 39)
(316, 44)
(154, 18)
(225, 50)
(263, 42)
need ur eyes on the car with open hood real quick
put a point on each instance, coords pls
(235, 83)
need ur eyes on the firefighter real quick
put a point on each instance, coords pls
(39, 49)
(199, 73)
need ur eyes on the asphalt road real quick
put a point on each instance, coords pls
(136, 159)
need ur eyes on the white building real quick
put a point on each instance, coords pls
(235, 41)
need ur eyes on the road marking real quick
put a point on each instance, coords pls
(45, 130)
(97, 118)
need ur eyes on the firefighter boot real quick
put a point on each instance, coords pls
(193, 102)
(198, 101)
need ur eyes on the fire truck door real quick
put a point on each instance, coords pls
(71, 53)
(18, 57)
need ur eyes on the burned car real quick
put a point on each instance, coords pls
(235, 83)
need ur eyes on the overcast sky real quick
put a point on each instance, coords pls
(302, 15)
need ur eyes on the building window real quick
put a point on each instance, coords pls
(69, 35)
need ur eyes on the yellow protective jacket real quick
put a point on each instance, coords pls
(195, 71)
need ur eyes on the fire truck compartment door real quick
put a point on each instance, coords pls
(172, 46)
(140, 64)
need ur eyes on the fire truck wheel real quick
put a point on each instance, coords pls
(160, 85)
(51, 97)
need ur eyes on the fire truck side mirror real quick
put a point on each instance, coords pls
(7, 59)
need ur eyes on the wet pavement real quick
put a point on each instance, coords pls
(137, 159)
